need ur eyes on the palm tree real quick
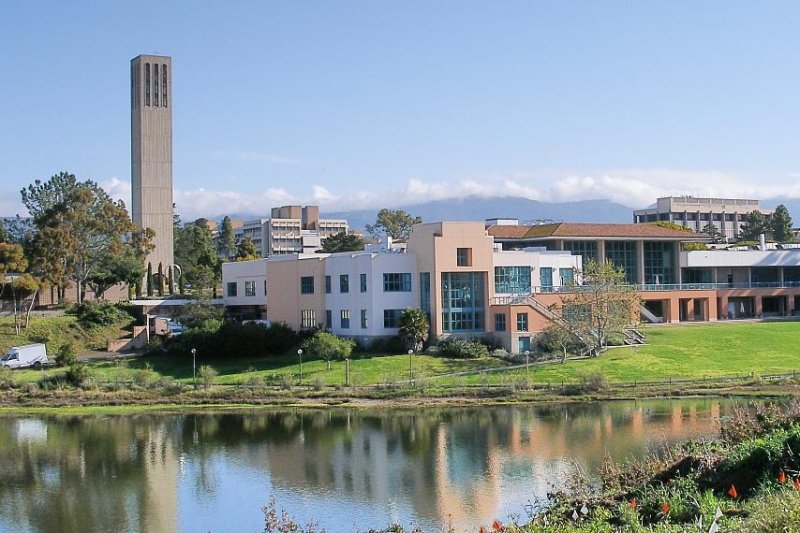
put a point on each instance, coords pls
(414, 328)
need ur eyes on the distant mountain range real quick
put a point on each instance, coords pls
(479, 208)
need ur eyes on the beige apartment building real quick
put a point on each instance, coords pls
(727, 214)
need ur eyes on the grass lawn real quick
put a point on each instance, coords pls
(56, 330)
(691, 351)
(678, 352)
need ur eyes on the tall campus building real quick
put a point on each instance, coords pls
(151, 154)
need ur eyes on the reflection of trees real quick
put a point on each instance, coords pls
(81, 474)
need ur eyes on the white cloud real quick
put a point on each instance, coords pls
(634, 188)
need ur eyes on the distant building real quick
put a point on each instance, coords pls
(727, 214)
(290, 229)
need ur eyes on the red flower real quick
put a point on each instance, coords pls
(497, 526)
(633, 503)
(782, 477)
(796, 483)
(732, 492)
(665, 508)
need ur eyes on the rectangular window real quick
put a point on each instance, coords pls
(308, 319)
(249, 288)
(363, 319)
(344, 318)
(512, 279)
(327, 284)
(363, 281)
(425, 292)
(622, 254)
(396, 282)
(344, 283)
(463, 300)
(567, 276)
(231, 288)
(463, 257)
(155, 85)
(546, 279)
(307, 285)
(164, 85)
(328, 319)
(500, 322)
(265, 287)
(522, 321)
(391, 318)
(147, 84)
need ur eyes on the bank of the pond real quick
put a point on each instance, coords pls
(77, 401)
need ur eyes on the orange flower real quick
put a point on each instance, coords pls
(482, 530)
(796, 483)
(732, 492)
(665, 508)
(782, 477)
(633, 503)
(497, 526)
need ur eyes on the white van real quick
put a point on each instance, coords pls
(34, 355)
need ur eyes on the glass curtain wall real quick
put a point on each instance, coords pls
(586, 249)
(463, 301)
(659, 263)
(512, 279)
(622, 254)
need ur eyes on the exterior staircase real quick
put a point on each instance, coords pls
(649, 315)
(633, 337)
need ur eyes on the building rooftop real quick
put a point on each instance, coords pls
(593, 231)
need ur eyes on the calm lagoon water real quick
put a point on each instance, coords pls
(348, 470)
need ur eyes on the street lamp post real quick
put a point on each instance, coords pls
(410, 375)
(194, 367)
(300, 355)
(527, 360)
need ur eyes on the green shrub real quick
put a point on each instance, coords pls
(461, 348)
(99, 313)
(387, 345)
(144, 377)
(328, 346)
(79, 375)
(66, 355)
(208, 373)
(6, 378)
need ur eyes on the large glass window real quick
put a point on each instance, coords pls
(307, 285)
(308, 319)
(586, 249)
(396, 282)
(659, 262)
(232, 288)
(344, 283)
(512, 279)
(327, 284)
(391, 318)
(463, 301)
(546, 279)
(622, 254)
(344, 318)
(425, 292)
(500, 322)
(249, 288)
(363, 282)
(363, 319)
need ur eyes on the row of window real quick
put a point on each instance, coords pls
(249, 288)
(392, 282)
(156, 101)
(308, 318)
(500, 322)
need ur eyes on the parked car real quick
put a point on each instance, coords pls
(28, 355)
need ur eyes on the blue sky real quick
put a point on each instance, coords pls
(368, 104)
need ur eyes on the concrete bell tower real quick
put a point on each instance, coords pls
(151, 155)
